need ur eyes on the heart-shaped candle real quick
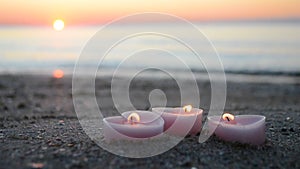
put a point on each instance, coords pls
(133, 125)
(181, 120)
(241, 128)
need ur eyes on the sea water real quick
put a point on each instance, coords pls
(260, 47)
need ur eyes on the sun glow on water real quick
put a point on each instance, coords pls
(58, 74)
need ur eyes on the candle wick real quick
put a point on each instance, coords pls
(227, 118)
(131, 120)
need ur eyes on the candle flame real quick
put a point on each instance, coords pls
(187, 108)
(133, 118)
(228, 117)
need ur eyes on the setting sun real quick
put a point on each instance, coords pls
(58, 25)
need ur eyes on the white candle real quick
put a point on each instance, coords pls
(132, 125)
(241, 128)
(181, 120)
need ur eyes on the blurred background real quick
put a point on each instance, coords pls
(249, 35)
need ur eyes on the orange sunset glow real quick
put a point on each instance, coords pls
(93, 12)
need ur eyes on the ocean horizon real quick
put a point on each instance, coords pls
(243, 47)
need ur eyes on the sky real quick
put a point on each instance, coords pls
(82, 12)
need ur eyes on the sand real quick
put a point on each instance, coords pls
(39, 127)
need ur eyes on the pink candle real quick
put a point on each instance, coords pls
(242, 128)
(181, 120)
(132, 125)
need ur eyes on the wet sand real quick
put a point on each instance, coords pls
(39, 127)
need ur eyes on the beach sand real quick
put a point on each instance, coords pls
(39, 127)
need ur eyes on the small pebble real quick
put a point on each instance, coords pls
(42, 130)
(51, 144)
(21, 105)
(283, 129)
(39, 137)
(37, 165)
(70, 145)
(221, 153)
(61, 122)
(5, 108)
(185, 162)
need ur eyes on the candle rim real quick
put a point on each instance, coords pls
(120, 120)
(192, 112)
(260, 120)
(141, 113)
